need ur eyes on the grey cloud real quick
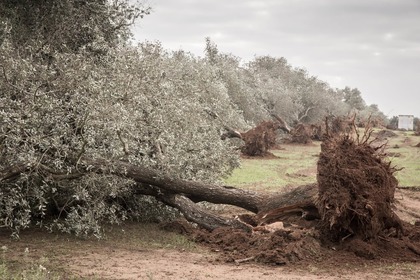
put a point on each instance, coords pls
(373, 45)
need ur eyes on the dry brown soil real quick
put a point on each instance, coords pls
(122, 255)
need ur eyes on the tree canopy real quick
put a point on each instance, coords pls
(48, 26)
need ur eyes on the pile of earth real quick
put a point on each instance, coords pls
(299, 244)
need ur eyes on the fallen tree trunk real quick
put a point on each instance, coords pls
(260, 203)
(196, 191)
(183, 194)
(191, 211)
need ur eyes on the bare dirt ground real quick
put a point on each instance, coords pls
(96, 261)
(123, 255)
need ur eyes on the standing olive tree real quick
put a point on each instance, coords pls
(239, 84)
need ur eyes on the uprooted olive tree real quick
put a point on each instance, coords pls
(103, 132)
(356, 188)
(79, 108)
(85, 141)
(122, 109)
(260, 139)
(305, 133)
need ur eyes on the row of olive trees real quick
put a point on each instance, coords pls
(268, 85)
(72, 89)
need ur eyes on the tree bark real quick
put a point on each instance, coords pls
(195, 214)
(191, 211)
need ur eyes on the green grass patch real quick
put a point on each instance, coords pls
(294, 165)
(33, 270)
(403, 154)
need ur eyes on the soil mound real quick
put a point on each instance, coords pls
(298, 244)
(279, 247)
(276, 245)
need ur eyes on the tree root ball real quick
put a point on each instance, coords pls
(260, 139)
(356, 189)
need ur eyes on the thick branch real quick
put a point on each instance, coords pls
(193, 213)
(230, 133)
(306, 114)
(303, 195)
(282, 124)
(198, 191)
(12, 172)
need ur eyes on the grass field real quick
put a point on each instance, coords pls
(404, 154)
(293, 165)
(296, 165)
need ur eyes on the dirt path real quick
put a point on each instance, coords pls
(127, 257)
(169, 264)
(138, 251)
(408, 204)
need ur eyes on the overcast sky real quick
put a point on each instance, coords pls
(372, 45)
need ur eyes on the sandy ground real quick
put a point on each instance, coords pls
(169, 264)
(122, 259)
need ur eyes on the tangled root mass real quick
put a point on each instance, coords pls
(356, 189)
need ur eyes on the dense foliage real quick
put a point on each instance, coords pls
(71, 87)
(48, 26)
